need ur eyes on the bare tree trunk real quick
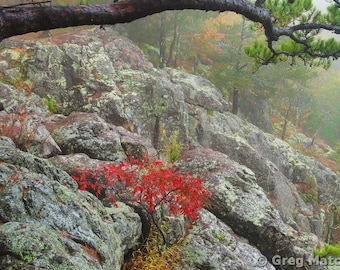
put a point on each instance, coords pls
(174, 41)
(235, 101)
(162, 41)
(315, 135)
(238, 67)
(330, 224)
(177, 53)
(156, 134)
(284, 129)
(321, 123)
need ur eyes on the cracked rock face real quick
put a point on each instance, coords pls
(88, 133)
(239, 201)
(212, 243)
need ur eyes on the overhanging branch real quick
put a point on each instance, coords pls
(18, 20)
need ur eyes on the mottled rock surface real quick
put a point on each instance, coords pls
(81, 233)
(239, 201)
(211, 244)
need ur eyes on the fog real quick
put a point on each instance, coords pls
(322, 4)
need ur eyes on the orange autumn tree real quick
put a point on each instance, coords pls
(218, 51)
(204, 44)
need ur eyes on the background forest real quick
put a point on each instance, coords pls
(213, 45)
(286, 98)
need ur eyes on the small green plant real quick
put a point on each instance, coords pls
(173, 148)
(305, 197)
(310, 192)
(336, 155)
(210, 111)
(51, 103)
(68, 2)
(328, 250)
(83, 2)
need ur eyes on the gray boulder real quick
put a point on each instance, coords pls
(211, 244)
(239, 201)
(46, 220)
(88, 133)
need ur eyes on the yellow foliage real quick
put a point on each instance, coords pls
(152, 256)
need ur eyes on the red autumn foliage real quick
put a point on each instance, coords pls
(150, 184)
(86, 181)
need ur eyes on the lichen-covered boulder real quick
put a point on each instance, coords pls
(97, 71)
(88, 133)
(239, 201)
(277, 165)
(198, 91)
(14, 100)
(9, 153)
(211, 244)
(35, 194)
(127, 224)
(29, 132)
(37, 246)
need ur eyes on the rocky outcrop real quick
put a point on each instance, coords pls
(47, 221)
(211, 244)
(112, 103)
(239, 201)
(87, 133)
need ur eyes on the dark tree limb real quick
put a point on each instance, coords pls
(18, 20)
(26, 4)
(259, 3)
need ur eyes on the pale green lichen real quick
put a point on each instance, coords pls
(255, 213)
(191, 255)
(293, 156)
(134, 80)
(27, 244)
(11, 54)
(230, 193)
(192, 80)
(64, 194)
(75, 66)
(61, 82)
(219, 236)
(13, 75)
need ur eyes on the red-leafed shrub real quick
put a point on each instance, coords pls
(150, 184)
(86, 180)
